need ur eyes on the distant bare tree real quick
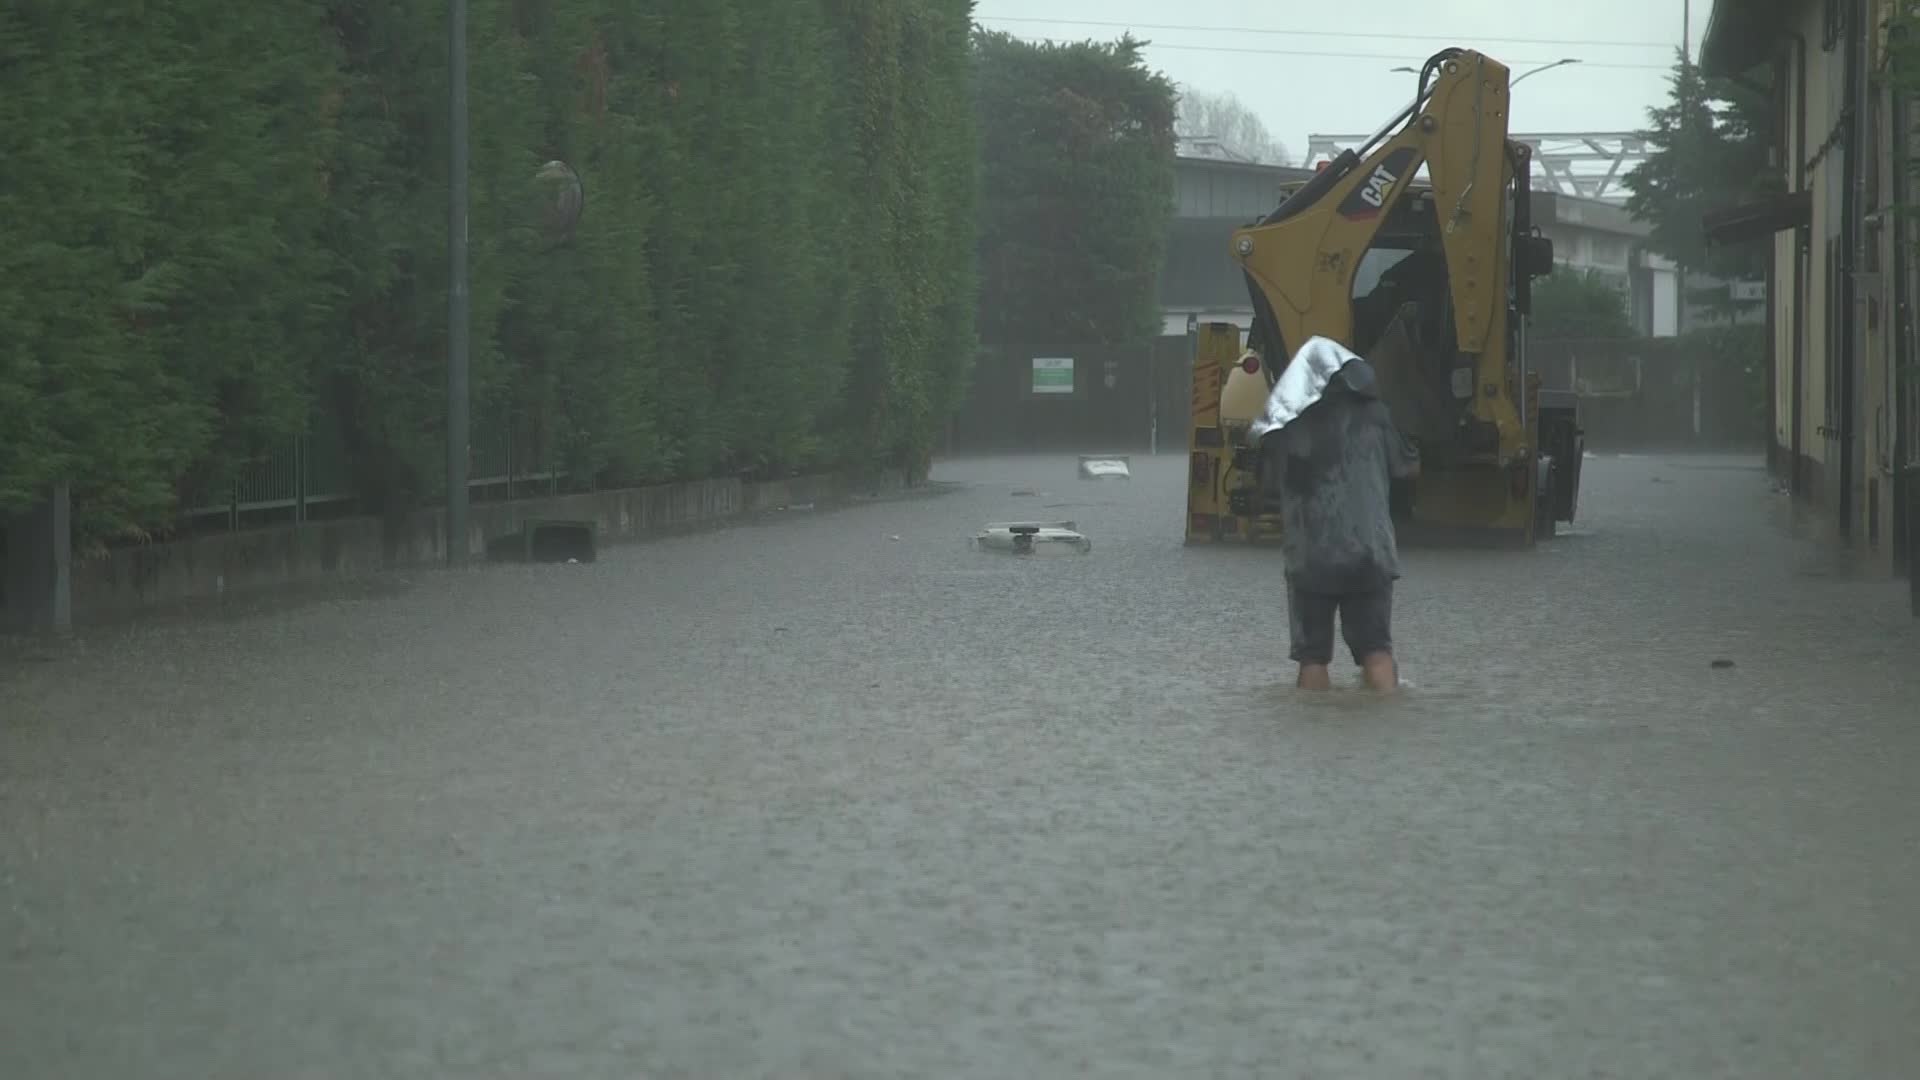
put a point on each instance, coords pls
(1227, 119)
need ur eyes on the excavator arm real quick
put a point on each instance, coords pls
(1466, 394)
(1457, 128)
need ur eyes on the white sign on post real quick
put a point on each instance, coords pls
(1053, 375)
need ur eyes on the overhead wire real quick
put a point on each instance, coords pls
(1279, 31)
(1314, 53)
(1395, 57)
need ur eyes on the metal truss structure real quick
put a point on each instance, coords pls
(1586, 164)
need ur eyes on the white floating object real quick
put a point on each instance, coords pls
(1032, 538)
(1105, 467)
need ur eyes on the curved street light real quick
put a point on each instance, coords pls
(1545, 67)
(1517, 79)
(1412, 108)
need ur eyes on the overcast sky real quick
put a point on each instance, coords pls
(1324, 68)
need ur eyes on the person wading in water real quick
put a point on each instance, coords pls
(1339, 458)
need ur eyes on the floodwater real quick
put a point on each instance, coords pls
(837, 797)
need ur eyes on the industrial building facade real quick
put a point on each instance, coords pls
(1845, 402)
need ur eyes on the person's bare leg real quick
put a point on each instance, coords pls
(1381, 672)
(1315, 677)
(1310, 619)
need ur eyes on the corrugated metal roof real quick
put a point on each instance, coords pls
(1207, 188)
(1742, 34)
(1757, 219)
(1595, 214)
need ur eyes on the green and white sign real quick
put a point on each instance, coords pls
(1053, 374)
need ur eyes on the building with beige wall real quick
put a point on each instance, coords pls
(1846, 407)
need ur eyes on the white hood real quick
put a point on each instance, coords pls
(1302, 383)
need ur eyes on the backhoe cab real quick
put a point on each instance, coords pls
(1431, 281)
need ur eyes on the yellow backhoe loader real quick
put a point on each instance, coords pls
(1430, 280)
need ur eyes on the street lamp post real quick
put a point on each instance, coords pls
(1518, 78)
(1545, 67)
(459, 318)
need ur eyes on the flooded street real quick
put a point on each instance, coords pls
(837, 797)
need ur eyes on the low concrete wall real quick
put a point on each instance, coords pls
(126, 582)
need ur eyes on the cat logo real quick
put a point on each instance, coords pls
(1381, 182)
(1369, 200)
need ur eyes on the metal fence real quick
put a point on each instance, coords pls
(1602, 369)
(513, 457)
(1654, 392)
(1909, 413)
(1907, 437)
(1635, 393)
(311, 475)
(1092, 398)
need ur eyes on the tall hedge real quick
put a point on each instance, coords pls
(227, 222)
(161, 294)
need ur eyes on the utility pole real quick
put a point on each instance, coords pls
(459, 319)
(1686, 122)
(1686, 117)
